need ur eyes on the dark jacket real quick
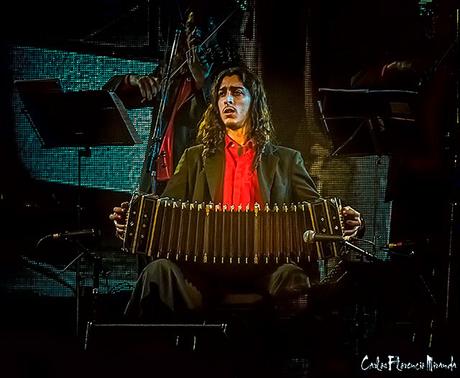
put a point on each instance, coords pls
(282, 177)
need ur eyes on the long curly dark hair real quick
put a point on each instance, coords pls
(212, 131)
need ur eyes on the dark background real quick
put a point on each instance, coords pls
(302, 46)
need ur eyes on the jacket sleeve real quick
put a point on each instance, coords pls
(303, 186)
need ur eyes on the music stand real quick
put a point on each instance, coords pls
(365, 122)
(76, 119)
(362, 122)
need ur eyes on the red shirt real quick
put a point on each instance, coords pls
(241, 183)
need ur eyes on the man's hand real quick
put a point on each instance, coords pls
(352, 221)
(197, 65)
(149, 86)
(119, 219)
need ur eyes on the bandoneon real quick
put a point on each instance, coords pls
(216, 234)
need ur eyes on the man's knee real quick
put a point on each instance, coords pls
(287, 279)
(160, 267)
(159, 263)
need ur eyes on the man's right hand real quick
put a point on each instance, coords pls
(119, 219)
(149, 86)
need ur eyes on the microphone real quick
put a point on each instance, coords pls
(311, 237)
(73, 234)
(401, 244)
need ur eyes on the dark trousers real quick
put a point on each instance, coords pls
(164, 289)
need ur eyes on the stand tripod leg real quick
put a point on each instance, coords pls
(77, 297)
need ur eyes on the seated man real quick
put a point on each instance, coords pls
(234, 164)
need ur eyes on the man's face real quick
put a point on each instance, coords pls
(234, 101)
(193, 32)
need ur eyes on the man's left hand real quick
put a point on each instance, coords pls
(352, 221)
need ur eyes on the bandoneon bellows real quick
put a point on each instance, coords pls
(217, 234)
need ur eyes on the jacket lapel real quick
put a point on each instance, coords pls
(214, 169)
(266, 172)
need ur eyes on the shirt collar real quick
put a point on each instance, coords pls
(229, 142)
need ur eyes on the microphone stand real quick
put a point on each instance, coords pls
(159, 127)
(84, 152)
(97, 270)
(360, 250)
